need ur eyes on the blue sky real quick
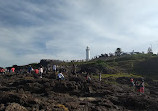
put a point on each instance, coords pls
(31, 30)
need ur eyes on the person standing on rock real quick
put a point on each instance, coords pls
(30, 69)
(54, 68)
(88, 78)
(13, 70)
(2, 71)
(137, 88)
(74, 69)
(141, 86)
(132, 82)
(99, 76)
(60, 76)
(41, 71)
(36, 72)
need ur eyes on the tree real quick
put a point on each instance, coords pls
(118, 52)
(150, 50)
(111, 55)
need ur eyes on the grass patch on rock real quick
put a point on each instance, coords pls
(117, 75)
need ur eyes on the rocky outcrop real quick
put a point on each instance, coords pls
(26, 93)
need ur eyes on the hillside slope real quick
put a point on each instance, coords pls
(140, 64)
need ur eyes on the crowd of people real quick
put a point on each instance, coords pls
(38, 73)
(5, 70)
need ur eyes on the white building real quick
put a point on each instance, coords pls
(87, 54)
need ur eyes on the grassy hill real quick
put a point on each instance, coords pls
(139, 64)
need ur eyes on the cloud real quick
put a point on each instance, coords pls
(32, 30)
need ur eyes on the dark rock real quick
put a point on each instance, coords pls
(15, 107)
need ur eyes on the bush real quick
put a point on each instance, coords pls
(96, 67)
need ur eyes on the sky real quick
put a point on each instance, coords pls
(31, 30)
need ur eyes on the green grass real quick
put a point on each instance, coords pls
(111, 82)
(155, 80)
(113, 77)
(117, 75)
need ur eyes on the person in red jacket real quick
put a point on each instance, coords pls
(12, 69)
(141, 86)
(36, 71)
(3, 71)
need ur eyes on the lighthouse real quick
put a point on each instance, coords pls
(87, 53)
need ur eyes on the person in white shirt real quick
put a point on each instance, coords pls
(54, 68)
(99, 76)
(60, 76)
(41, 71)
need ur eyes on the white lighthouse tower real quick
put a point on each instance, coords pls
(87, 53)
